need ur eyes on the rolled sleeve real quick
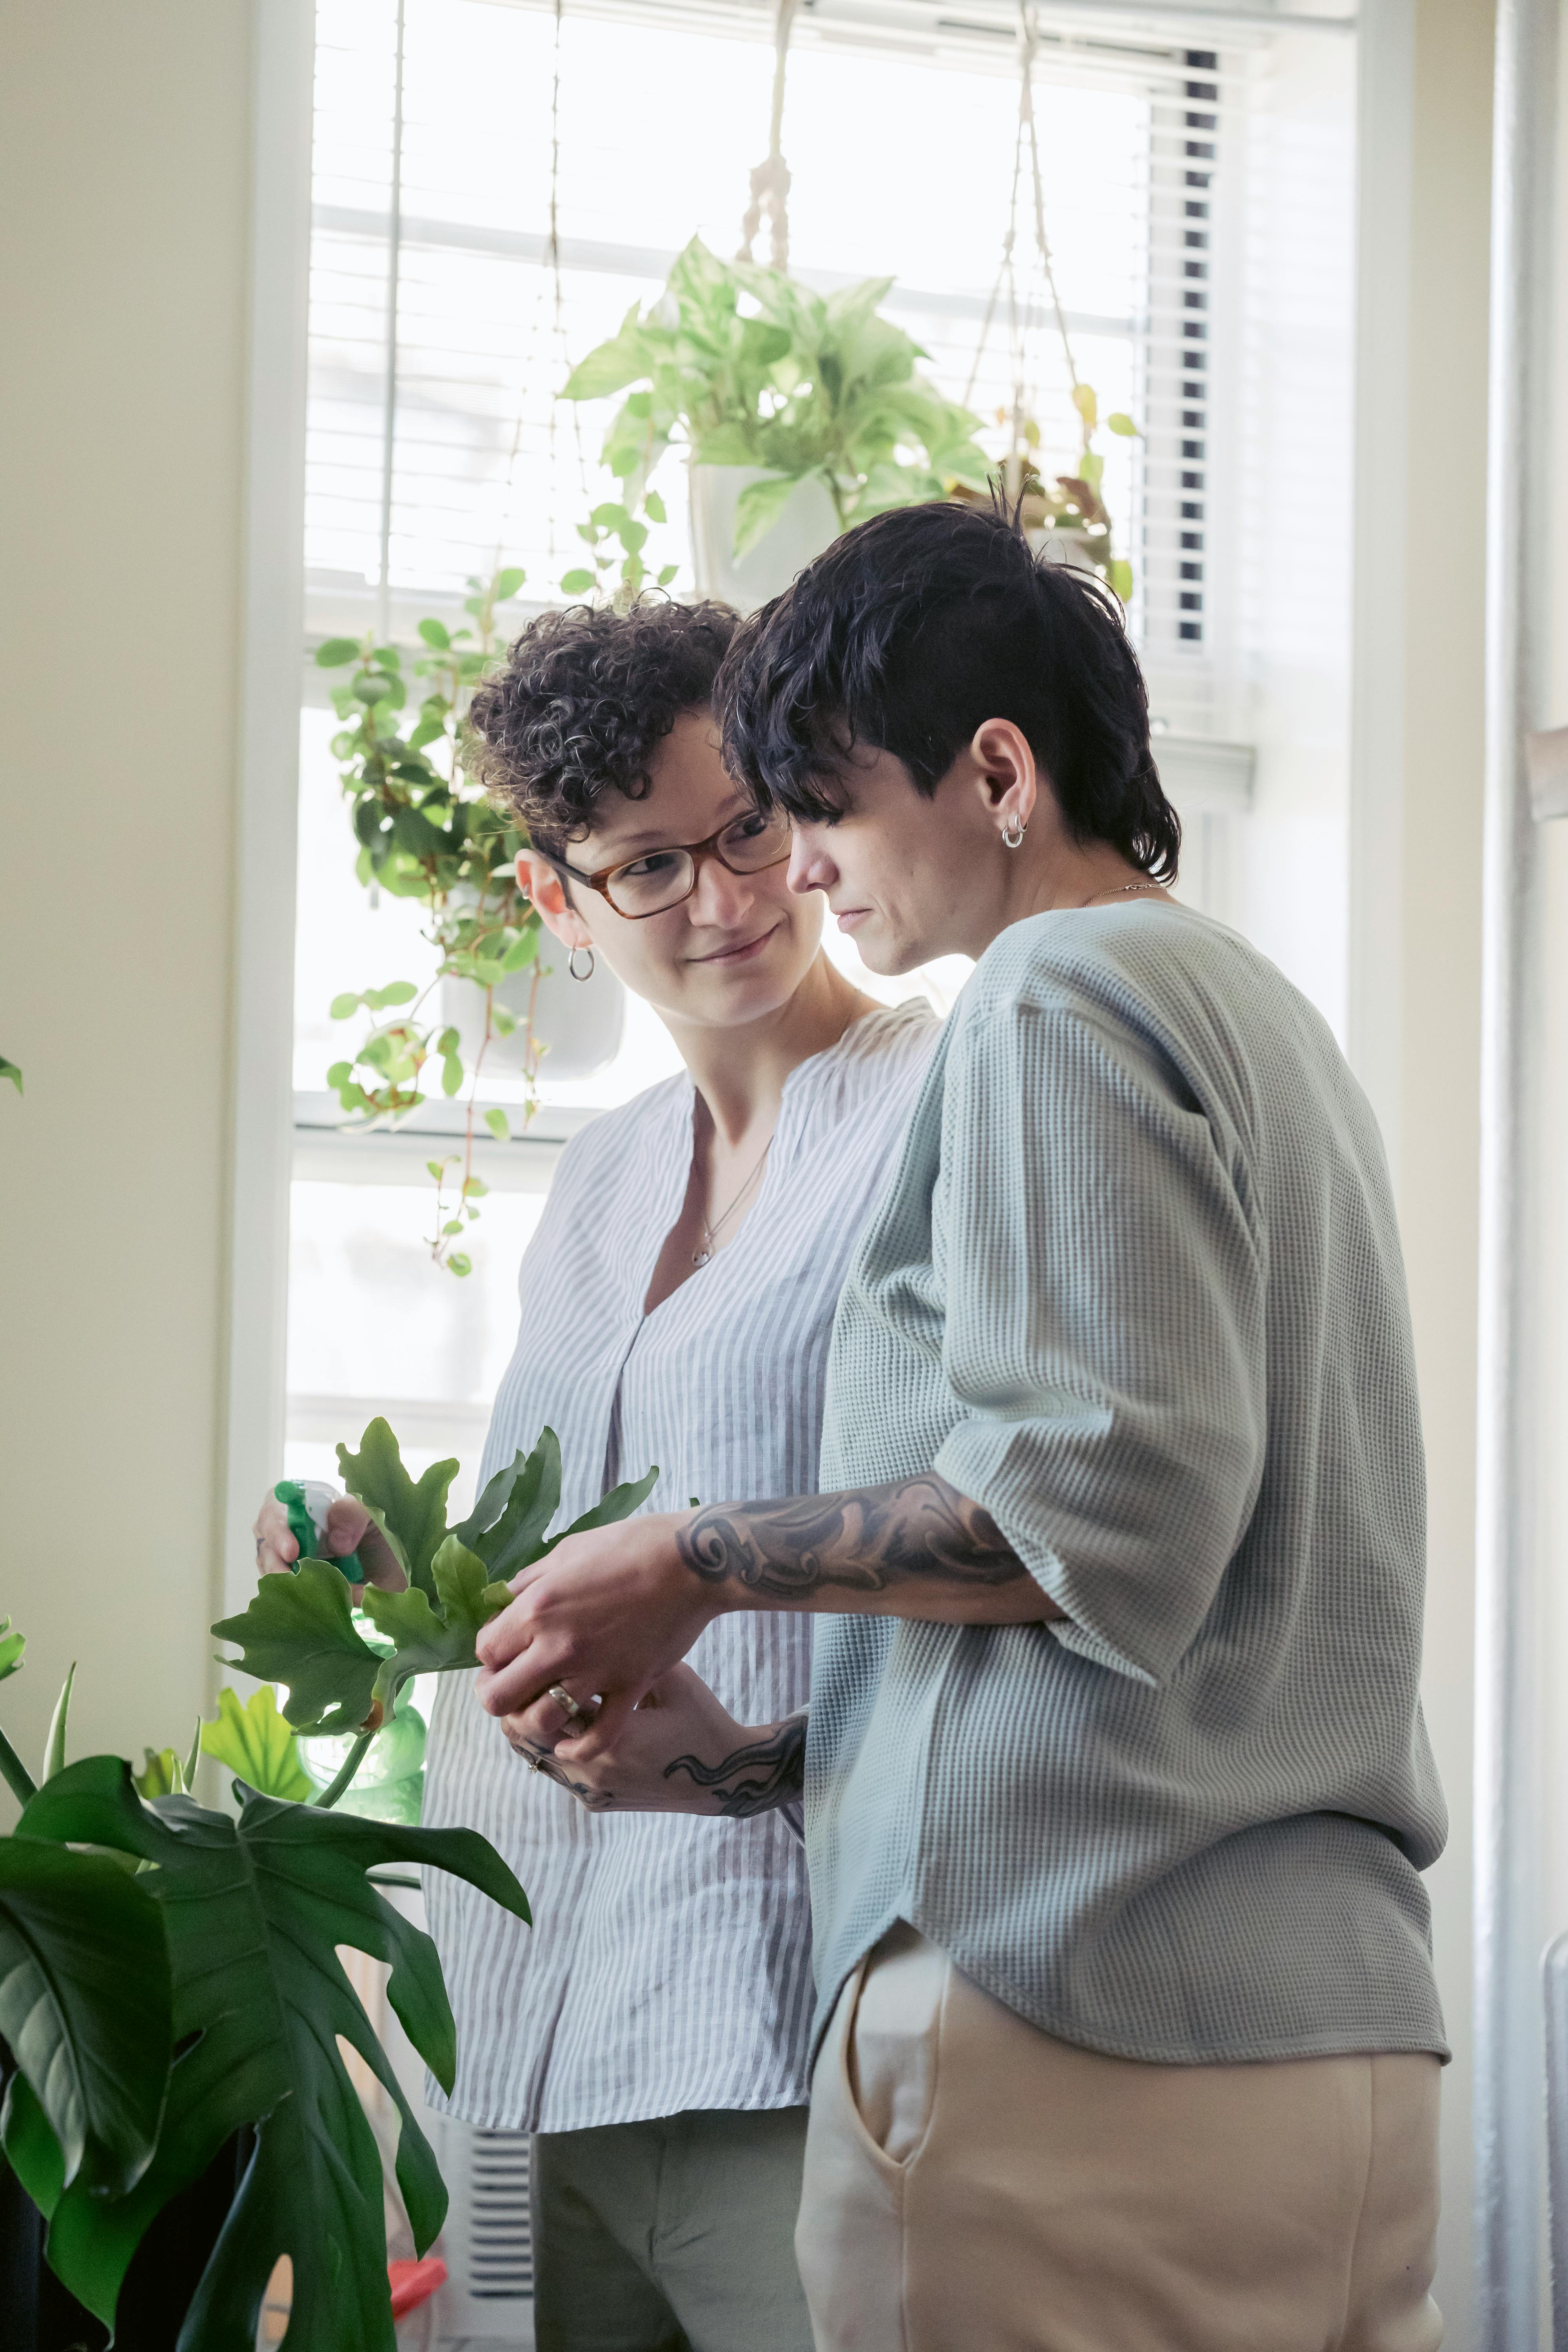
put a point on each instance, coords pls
(1105, 1329)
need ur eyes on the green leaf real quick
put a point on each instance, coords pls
(343, 1008)
(55, 1746)
(437, 634)
(459, 1264)
(610, 517)
(11, 1648)
(576, 581)
(413, 1516)
(86, 2007)
(336, 652)
(653, 507)
(398, 991)
(508, 583)
(253, 1739)
(160, 1776)
(440, 1640)
(522, 950)
(496, 1120)
(506, 1526)
(9, 1070)
(255, 1910)
(1121, 424)
(759, 507)
(1118, 572)
(618, 1504)
(1084, 401)
(666, 574)
(298, 1630)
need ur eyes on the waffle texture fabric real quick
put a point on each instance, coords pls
(1136, 1288)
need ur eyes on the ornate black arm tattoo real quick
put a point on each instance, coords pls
(756, 1778)
(920, 1533)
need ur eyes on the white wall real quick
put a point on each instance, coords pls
(124, 195)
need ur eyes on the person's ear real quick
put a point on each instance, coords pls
(1006, 775)
(548, 892)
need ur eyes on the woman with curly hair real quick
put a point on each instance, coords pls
(677, 1300)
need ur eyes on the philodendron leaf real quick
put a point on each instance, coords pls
(255, 1910)
(618, 1504)
(163, 1775)
(414, 1517)
(299, 1630)
(253, 1739)
(506, 1526)
(85, 2005)
(11, 1648)
(436, 1641)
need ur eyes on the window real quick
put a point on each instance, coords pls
(1197, 197)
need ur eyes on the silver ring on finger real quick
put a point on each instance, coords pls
(567, 1703)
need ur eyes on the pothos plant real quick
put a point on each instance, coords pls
(427, 832)
(750, 367)
(168, 1972)
(1072, 505)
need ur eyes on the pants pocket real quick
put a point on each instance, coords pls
(892, 2045)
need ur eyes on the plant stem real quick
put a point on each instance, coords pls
(350, 1764)
(18, 1779)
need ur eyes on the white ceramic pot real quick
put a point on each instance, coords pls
(581, 1022)
(807, 524)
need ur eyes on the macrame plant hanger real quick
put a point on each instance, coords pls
(770, 179)
(1027, 143)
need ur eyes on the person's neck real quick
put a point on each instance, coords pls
(739, 1073)
(1057, 874)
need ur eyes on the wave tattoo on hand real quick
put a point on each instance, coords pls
(776, 1762)
(870, 1540)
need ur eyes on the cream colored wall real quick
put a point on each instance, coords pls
(125, 190)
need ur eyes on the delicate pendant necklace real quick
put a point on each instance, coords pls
(1124, 890)
(704, 1251)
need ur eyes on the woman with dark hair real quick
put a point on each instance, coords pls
(1118, 1793)
(677, 1302)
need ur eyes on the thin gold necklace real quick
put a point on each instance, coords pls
(1123, 890)
(710, 1231)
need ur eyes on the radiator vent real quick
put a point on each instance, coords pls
(500, 2228)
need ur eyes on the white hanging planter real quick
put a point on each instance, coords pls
(581, 1022)
(807, 524)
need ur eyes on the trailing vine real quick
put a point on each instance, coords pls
(427, 832)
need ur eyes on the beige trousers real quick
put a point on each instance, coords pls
(973, 2185)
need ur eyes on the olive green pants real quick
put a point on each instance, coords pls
(676, 2235)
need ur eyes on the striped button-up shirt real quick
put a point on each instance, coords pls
(1136, 1288)
(668, 1966)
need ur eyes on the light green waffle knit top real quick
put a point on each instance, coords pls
(1136, 1288)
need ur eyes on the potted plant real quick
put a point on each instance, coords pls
(801, 413)
(169, 1985)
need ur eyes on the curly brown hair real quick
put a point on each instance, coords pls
(587, 697)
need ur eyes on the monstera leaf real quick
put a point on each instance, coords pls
(85, 2005)
(253, 1909)
(299, 1630)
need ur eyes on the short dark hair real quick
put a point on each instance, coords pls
(586, 698)
(911, 631)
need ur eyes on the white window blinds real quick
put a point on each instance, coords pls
(452, 134)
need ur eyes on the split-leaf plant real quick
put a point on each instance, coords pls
(427, 832)
(750, 367)
(300, 1631)
(168, 1972)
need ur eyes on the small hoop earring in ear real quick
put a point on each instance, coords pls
(1013, 833)
(571, 963)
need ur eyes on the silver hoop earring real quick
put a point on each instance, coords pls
(571, 963)
(1013, 833)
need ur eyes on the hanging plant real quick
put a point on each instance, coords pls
(747, 366)
(1069, 509)
(427, 832)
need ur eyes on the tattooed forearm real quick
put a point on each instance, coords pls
(756, 1778)
(881, 1540)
